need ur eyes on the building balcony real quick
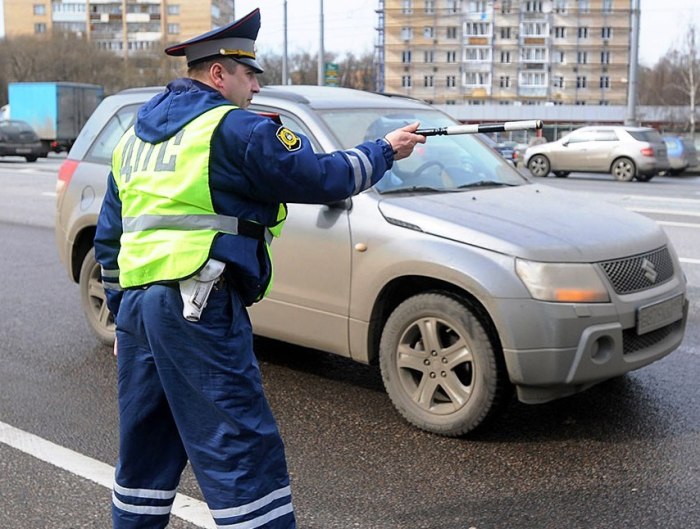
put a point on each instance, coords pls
(477, 40)
(532, 91)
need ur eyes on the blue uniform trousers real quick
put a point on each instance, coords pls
(193, 391)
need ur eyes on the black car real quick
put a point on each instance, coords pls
(18, 138)
(501, 148)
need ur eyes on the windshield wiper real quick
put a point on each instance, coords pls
(415, 189)
(486, 183)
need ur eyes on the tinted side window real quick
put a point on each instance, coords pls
(578, 137)
(605, 135)
(101, 149)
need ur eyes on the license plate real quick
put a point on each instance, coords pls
(23, 151)
(659, 314)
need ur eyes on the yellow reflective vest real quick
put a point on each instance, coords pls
(168, 217)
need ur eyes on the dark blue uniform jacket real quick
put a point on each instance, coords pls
(251, 171)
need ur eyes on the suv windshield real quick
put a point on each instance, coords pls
(443, 163)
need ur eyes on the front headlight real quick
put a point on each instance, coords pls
(562, 282)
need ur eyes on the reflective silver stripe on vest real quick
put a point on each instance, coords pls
(110, 279)
(221, 223)
(359, 161)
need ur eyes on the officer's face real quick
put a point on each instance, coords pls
(239, 84)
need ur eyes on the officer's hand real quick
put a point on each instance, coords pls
(115, 346)
(403, 140)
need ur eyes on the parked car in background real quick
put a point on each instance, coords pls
(682, 154)
(459, 277)
(625, 152)
(18, 138)
(503, 149)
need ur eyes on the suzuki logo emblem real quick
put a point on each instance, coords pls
(649, 270)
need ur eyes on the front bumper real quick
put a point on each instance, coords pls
(594, 343)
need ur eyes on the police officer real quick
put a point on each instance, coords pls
(196, 194)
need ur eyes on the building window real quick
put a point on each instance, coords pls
(476, 6)
(173, 29)
(506, 7)
(39, 9)
(603, 102)
(430, 6)
(505, 57)
(406, 56)
(406, 7)
(560, 57)
(533, 79)
(583, 32)
(504, 81)
(173, 9)
(534, 29)
(428, 81)
(558, 81)
(584, 6)
(529, 54)
(560, 6)
(451, 81)
(477, 54)
(604, 57)
(450, 102)
(580, 103)
(607, 6)
(406, 81)
(560, 32)
(582, 57)
(505, 32)
(477, 29)
(606, 32)
(407, 33)
(453, 6)
(429, 56)
(581, 81)
(477, 79)
(451, 56)
(533, 6)
(604, 81)
(40, 28)
(429, 32)
(452, 32)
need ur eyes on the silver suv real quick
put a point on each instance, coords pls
(455, 274)
(625, 152)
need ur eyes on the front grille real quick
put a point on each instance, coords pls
(633, 342)
(639, 272)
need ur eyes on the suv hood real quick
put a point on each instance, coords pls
(533, 221)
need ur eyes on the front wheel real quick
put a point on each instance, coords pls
(539, 165)
(439, 366)
(623, 169)
(94, 301)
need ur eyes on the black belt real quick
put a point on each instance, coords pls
(251, 229)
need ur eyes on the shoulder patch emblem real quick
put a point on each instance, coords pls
(290, 140)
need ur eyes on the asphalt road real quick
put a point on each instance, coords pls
(624, 454)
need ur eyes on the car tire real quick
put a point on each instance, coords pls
(539, 165)
(644, 177)
(94, 301)
(31, 158)
(450, 387)
(561, 174)
(623, 170)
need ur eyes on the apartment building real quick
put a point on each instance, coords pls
(121, 26)
(573, 52)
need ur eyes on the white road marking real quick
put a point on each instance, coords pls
(185, 507)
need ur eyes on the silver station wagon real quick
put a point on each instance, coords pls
(458, 276)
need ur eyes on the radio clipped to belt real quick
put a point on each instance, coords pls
(195, 290)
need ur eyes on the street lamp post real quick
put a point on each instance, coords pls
(321, 53)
